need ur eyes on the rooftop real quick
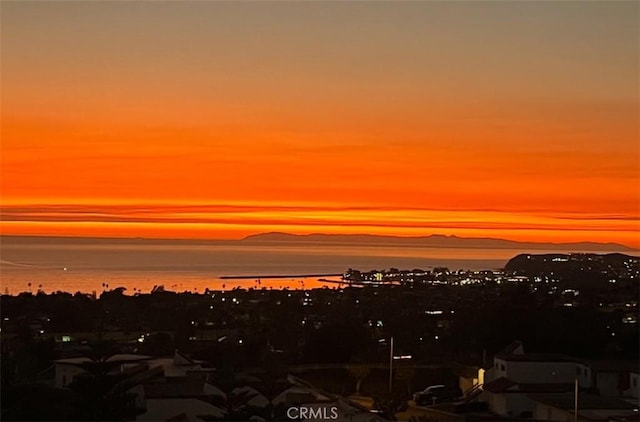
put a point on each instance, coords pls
(187, 409)
(124, 358)
(612, 365)
(505, 385)
(515, 347)
(585, 401)
(536, 357)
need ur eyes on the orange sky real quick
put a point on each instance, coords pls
(218, 120)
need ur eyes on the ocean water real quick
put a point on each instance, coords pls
(88, 267)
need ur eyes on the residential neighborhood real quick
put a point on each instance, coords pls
(504, 347)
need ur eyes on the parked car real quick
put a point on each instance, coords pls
(435, 394)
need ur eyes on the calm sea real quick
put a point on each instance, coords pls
(89, 267)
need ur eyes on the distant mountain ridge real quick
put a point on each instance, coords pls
(435, 240)
(432, 241)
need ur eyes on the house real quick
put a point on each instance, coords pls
(591, 408)
(612, 378)
(179, 365)
(180, 409)
(508, 398)
(470, 380)
(304, 401)
(297, 394)
(67, 369)
(247, 397)
(516, 374)
(535, 367)
(338, 409)
(173, 388)
(176, 366)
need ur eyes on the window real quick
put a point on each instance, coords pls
(502, 367)
(578, 371)
(64, 380)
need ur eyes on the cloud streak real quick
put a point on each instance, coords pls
(259, 215)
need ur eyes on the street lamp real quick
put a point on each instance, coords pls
(575, 404)
(391, 366)
(391, 359)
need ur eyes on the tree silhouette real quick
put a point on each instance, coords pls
(101, 388)
(405, 374)
(359, 371)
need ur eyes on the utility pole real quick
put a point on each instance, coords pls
(391, 366)
(575, 404)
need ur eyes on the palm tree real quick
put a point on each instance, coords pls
(101, 388)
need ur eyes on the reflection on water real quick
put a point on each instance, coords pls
(183, 267)
(14, 282)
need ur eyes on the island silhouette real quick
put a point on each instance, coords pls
(430, 241)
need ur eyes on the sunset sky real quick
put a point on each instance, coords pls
(517, 120)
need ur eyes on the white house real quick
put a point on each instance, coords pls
(178, 366)
(584, 375)
(511, 399)
(67, 369)
(612, 378)
(516, 374)
(560, 407)
(535, 368)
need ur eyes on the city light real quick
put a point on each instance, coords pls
(402, 357)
